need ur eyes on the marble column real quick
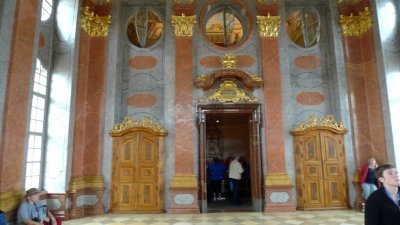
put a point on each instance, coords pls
(23, 41)
(363, 87)
(277, 183)
(86, 185)
(184, 185)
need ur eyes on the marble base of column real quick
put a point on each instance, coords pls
(278, 193)
(184, 195)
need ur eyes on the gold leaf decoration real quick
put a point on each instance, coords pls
(228, 92)
(268, 26)
(356, 25)
(312, 121)
(183, 25)
(94, 25)
(228, 61)
(129, 122)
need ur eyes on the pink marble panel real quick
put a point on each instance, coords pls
(310, 98)
(41, 40)
(143, 62)
(142, 100)
(368, 49)
(94, 107)
(80, 106)
(307, 62)
(274, 132)
(353, 50)
(184, 122)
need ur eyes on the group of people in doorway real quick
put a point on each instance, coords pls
(232, 170)
(381, 192)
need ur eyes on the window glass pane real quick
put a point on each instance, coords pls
(144, 28)
(38, 142)
(303, 27)
(40, 104)
(31, 141)
(224, 29)
(35, 169)
(29, 169)
(46, 9)
(30, 156)
(37, 155)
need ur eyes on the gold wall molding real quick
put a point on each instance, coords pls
(356, 25)
(228, 92)
(10, 200)
(83, 182)
(267, 2)
(101, 2)
(183, 25)
(184, 2)
(277, 179)
(313, 122)
(129, 123)
(268, 26)
(93, 24)
(184, 181)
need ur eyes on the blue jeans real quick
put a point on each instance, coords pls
(236, 191)
(367, 189)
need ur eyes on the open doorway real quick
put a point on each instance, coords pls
(226, 132)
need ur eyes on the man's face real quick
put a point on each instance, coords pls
(34, 198)
(390, 177)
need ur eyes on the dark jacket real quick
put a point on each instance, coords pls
(381, 210)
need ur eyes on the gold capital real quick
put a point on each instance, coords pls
(93, 24)
(356, 25)
(268, 26)
(183, 25)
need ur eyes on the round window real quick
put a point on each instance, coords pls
(144, 28)
(303, 27)
(225, 25)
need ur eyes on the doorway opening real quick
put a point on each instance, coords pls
(228, 132)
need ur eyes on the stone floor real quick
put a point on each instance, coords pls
(328, 217)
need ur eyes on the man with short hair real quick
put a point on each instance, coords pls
(235, 175)
(31, 211)
(383, 205)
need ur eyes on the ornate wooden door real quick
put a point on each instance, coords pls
(321, 177)
(138, 171)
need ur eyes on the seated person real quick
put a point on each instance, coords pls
(32, 211)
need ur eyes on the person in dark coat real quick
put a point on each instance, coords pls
(217, 172)
(383, 205)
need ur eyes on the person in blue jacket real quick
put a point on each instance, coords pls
(217, 172)
(383, 206)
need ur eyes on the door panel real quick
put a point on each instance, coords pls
(136, 173)
(321, 176)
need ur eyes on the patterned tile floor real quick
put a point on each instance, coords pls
(331, 217)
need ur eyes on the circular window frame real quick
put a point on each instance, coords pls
(132, 17)
(241, 12)
(306, 10)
